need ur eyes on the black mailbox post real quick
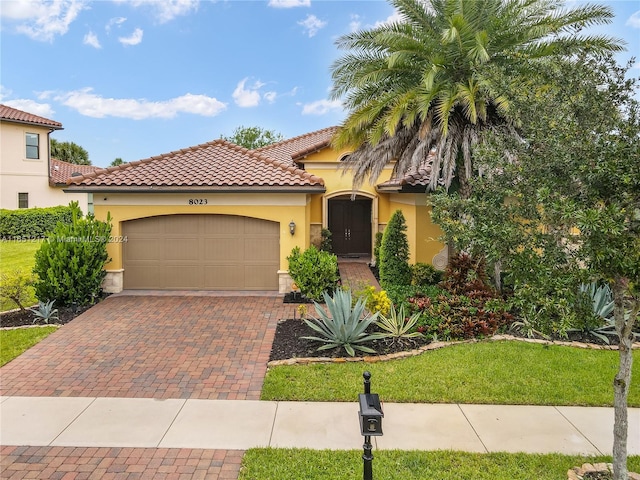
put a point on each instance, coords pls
(370, 422)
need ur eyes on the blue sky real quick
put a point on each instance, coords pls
(137, 78)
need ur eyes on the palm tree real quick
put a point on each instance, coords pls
(425, 88)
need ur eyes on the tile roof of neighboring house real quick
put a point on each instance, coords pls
(61, 171)
(217, 165)
(10, 114)
(415, 177)
(288, 151)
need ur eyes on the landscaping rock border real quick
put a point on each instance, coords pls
(437, 346)
(578, 473)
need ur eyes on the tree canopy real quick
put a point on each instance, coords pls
(562, 207)
(434, 80)
(69, 152)
(253, 137)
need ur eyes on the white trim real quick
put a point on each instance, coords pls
(175, 199)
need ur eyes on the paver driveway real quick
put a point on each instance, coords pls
(206, 347)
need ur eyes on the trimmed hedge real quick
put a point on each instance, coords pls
(28, 223)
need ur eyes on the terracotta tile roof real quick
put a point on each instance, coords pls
(10, 114)
(61, 171)
(419, 176)
(217, 165)
(288, 151)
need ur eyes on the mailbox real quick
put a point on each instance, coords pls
(370, 414)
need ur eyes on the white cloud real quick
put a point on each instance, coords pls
(354, 24)
(312, 24)
(115, 21)
(634, 20)
(270, 97)
(30, 106)
(134, 39)
(289, 3)
(395, 17)
(91, 39)
(247, 97)
(321, 107)
(92, 105)
(40, 19)
(165, 10)
(26, 105)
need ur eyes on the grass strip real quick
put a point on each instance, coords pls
(489, 372)
(290, 464)
(15, 341)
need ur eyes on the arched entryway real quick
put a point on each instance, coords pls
(349, 221)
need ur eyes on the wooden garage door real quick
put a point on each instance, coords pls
(201, 252)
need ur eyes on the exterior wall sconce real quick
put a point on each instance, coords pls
(292, 227)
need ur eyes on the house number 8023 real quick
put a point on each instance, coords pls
(197, 201)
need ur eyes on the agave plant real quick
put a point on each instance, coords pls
(343, 326)
(396, 326)
(45, 312)
(601, 298)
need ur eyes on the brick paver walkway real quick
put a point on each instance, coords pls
(205, 347)
(356, 274)
(63, 463)
(151, 345)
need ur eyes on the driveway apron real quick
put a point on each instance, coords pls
(204, 347)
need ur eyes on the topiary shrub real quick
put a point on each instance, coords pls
(394, 253)
(326, 243)
(376, 249)
(314, 271)
(70, 262)
(32, 222)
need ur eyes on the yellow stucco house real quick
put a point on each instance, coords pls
(29, 177)
(219, 217)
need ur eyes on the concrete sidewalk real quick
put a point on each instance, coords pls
(239, 425)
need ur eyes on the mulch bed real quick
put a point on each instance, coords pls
(288, 342)
(19, 318)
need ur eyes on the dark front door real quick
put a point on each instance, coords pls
(350, 226)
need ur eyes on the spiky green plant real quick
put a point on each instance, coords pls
(341, 325)
(397, 326)
(45, 312)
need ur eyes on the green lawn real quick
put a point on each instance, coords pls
(14, 342)
(17, 256)
(489, 372)
(290, 464)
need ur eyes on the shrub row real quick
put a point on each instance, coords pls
(31, 223)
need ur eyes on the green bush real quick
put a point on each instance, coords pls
(70, 263)
(394, 253)
(399, 294)
(32, 222)
(314, 271)
(425, 274)
(376, 249)
(16, 287)
(326, 243)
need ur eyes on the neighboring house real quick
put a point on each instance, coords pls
(219, 217)
(28, 176)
